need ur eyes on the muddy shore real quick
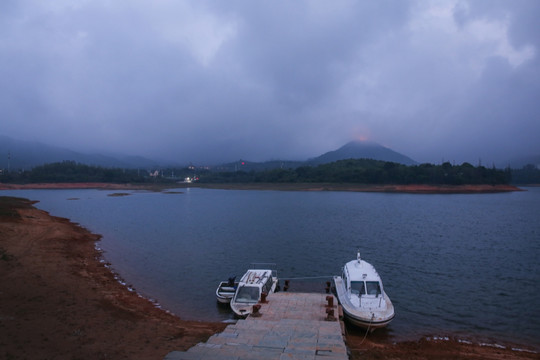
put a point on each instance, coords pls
(59, 300)
(411, 188)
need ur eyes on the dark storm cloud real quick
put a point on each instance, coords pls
(211, 81)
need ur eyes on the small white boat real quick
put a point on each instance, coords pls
(250, 287)
(225, 290)
(362, 297)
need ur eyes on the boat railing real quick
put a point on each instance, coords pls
(261, 279)
(269, 266)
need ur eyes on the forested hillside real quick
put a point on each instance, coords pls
(362, 171)
(369, 171)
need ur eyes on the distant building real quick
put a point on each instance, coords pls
(189, 180)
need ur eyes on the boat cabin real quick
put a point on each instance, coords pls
(361, 279)
(250, 287)
(253, 283)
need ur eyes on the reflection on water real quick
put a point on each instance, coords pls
(465, 264)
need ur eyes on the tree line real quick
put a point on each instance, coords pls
(529, 174)
(368, 171)
(72, 172)
(365, 171)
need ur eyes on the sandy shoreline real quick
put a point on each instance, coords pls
(62, 302)
(411, 188)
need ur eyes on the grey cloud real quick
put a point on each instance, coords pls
(210, 81)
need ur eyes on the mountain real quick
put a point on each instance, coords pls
(362, 150)
(351, 150)
(18, 154)
(27, 154)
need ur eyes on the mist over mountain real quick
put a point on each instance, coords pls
(24, 155)
(519, 162)
(27, 154)
(362, 150)
(351, 150)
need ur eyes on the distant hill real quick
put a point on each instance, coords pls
(351, 150)
(28, 154)
(245, 165)
(362, 150)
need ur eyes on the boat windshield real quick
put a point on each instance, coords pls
(358, 288)
(373, 288)
(247, 294)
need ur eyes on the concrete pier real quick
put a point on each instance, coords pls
(290, 326)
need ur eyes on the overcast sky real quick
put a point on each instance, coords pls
(208, 81)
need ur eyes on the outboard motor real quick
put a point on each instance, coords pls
(231, 281)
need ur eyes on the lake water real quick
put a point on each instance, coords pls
(464, 265)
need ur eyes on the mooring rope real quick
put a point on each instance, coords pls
(367, 331)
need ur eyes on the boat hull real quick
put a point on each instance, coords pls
(223, 300)
(370, 319)
(225, 292)
(365, 322)
(242, 312)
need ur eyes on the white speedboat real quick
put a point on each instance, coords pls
(250, 287)
(362, 297)
(225, 290)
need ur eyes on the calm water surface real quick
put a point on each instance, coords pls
(464, 265)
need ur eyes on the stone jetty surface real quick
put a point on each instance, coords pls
(290, 326)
